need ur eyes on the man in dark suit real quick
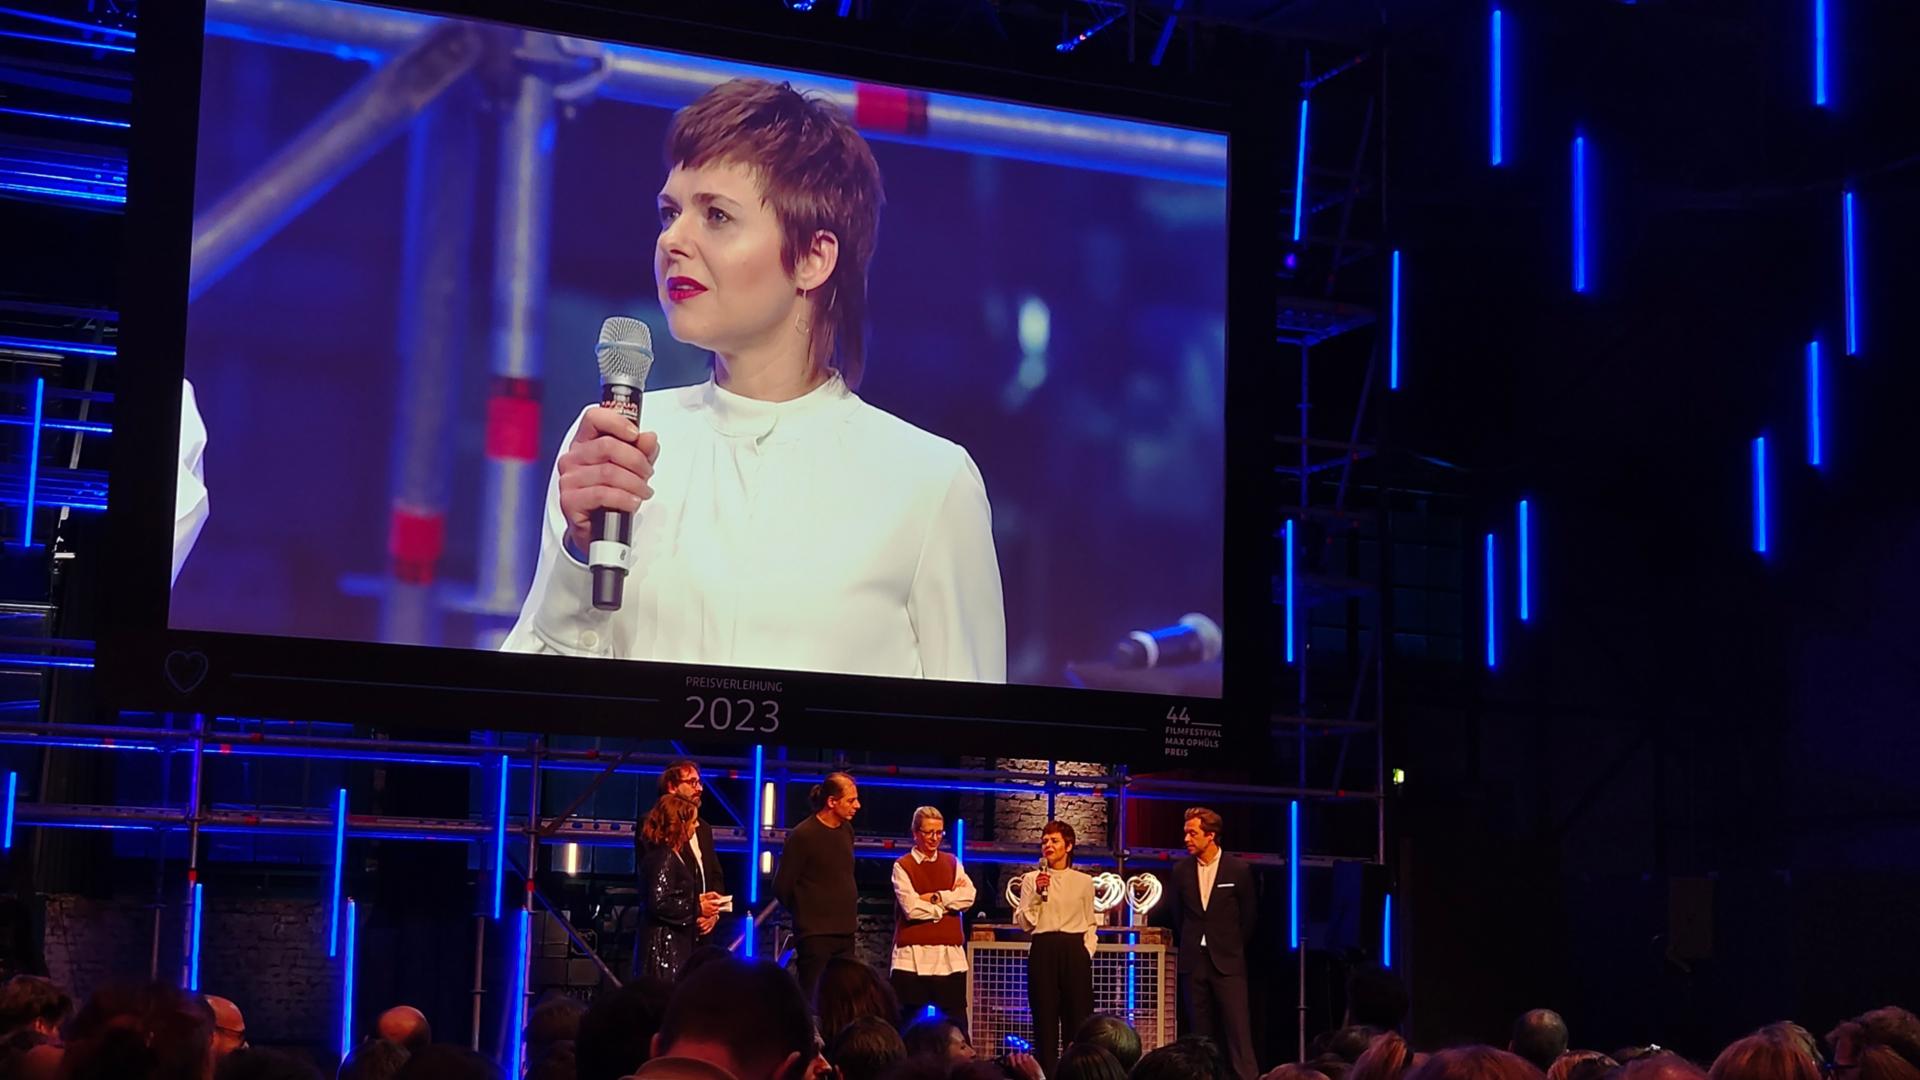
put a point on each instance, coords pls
(682, 778)
(1214, 907)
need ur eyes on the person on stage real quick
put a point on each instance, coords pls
(1214, 906)
(1056, 906)
(669, 890)
(930, 890)
(815, 879)
(779, 520)
(682, 778)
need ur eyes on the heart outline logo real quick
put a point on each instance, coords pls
(185, 670)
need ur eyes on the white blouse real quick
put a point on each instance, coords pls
(1068, 908)
(818, 534)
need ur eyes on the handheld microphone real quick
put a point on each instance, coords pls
(1194, 639)
(625, 354)
(1044, 871)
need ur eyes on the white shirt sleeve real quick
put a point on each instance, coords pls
(962, 895)
(955, 604)
(1024, 914)
(190, 503)
(917, 910)
(558, 615)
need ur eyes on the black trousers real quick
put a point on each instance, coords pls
(1217, 1008)
(810, 956)
(1059, 991)
(946, 993)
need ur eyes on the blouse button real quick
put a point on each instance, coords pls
(589, 640)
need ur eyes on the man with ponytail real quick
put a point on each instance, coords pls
(815, 879)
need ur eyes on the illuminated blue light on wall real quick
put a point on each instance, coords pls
(1580, 213)
(517, 1000)
(1853, 284)
(339, 870)
(33, 462)
(1760, 495)
(1497, 65)
(1526, 561)
(71, 118)
(1293, 875)
(500, 842)
(50, 345)
(1289, 587)
(44, 39)
(1393, 327)
(193, 938)
(1820, 52)
(13, 793)
(346, 982)
(1300, 176)
(71, 24)
(1493, 611)
(1386, 933)
(1815, 436)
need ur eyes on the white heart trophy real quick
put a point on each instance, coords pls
(1143, 892)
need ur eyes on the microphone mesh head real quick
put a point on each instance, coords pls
(625, 353)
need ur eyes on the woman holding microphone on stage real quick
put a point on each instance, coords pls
(1056, 906)
(779, 520)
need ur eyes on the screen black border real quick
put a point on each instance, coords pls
(145, 664)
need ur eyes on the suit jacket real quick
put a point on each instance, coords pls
(1227, 922)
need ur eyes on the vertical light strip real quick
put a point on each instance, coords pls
(960, 839)
(1300, 176)
(33, 462)
(762, 798)
(1498, 62)
(500, 841)
(1386, 934)
(193, 939)
(1289, 542)
(1393, 328)
(1760, 495)
(1580, 213)
(517, 999)
(13, 793)
(1816, 438)
(1293, 875)
(339, 871)
(346, 983)
(1853, 290)
(1526, 561)
(1493, 611)
(1820, 52)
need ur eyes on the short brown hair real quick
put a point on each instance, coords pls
(1209, 821)
(675, 773)
(1758, 1057)
(817, 173)
(1065, 830)
(670, 823)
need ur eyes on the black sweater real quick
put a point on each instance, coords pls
(815, 879)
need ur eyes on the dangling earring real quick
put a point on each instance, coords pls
(802, 325)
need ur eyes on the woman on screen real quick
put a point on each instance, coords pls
(780, 521)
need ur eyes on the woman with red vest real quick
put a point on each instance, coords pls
(930, 890)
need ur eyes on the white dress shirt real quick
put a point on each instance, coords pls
(190, 504)
(1208, 872)
(1068, 908)
(931, 959)
(818, 534)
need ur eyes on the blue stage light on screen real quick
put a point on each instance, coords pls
(1493, 611)
(1820, 53)
(1300, 176)
(1816, 436)
(1853, 282)
(1497, 66)
(193, 938)
(1386, 933)
(1393, 327)
(339, 871)
(1289, 590)
(346, 982)
(1293, 875)
(1760, 495)
(500, 842)
(1526, 561)
(13, 794)
(1580, 213)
